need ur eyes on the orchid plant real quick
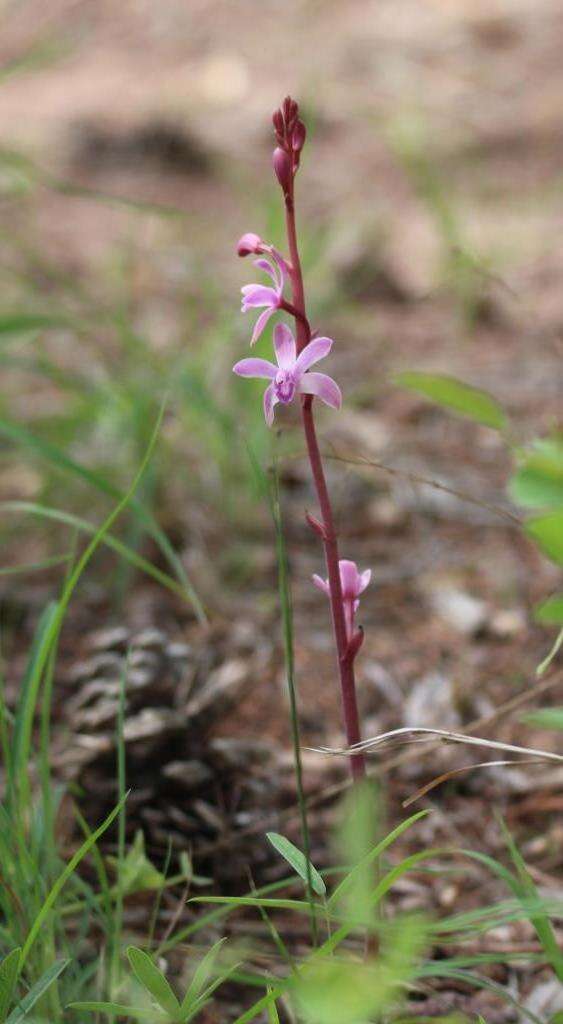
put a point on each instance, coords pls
(291, 378)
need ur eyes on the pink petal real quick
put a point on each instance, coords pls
(255, 368)
(260, 324)
(270, 401)
(267, 267)
(315, 350)
(258, 295)
(323, 387)
(284, 344)
(365, 577)
(321, 584)
(349, 577)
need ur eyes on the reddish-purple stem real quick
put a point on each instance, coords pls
(345, 653)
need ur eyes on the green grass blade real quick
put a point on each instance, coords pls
(25, 323)
(63, 879)
(349, 881)
(62, 461)
(68, 519)
(9, 971)
(115, 1010)
(251, 901)
(273, 1016)
(46, 563)
(37, 991)
(525, 890)
(28, 701)
(440, 969)
(541, 922)
(284, 588)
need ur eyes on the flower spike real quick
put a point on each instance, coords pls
(291, 377)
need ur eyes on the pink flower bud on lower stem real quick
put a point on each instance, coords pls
(282, 167)
(316, 525)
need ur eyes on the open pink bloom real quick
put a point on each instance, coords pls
(353, 584)
(289, 377)
(258, 295)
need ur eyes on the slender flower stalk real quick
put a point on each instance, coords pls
(292, 377)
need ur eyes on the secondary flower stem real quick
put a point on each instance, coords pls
(345, 653)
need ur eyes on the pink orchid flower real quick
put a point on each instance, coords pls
(259, 295)
(353, 584)
(289, 377)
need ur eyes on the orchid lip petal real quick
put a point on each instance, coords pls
(255, 368)
(285, 347)
(317, 349)
(261, 324)
(323, 387)
(270, 400)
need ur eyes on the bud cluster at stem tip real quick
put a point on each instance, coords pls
(290, 137)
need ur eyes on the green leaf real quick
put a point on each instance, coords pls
(200, 978)
(137, 872)
(545, 718)
(547, 531)
(297, 860)
(550, 610)
(9, 970)
(338, 991)
(539, 480)
(153, 980)
(477, 405)
(37, 991)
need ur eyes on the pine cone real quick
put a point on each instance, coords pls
(188, 786)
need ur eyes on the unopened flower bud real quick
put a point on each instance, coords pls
(355, 643)
(277, 119)
(249, 243)
(316, 525)
(290, 112)
(298, 136)
(282, 167)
